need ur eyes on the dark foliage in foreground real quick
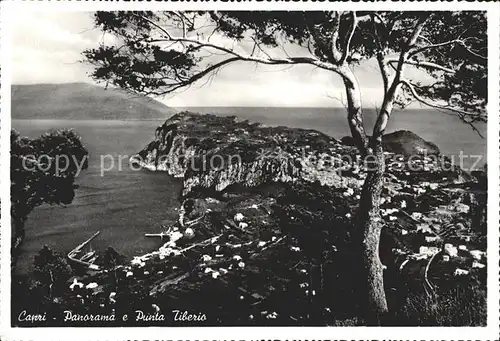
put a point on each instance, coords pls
(289, 281)
(464, 304)
(43, 170)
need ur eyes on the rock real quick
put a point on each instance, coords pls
(239, 217)
(478, 265)
(477, 254)
(432, 239)
(450, 250)
(461, 272)
(462, 208)
(402, 142)
(348, 141)
(482, 176)
(428, 251)
(189, 233)
(214, 152)
(407, 143)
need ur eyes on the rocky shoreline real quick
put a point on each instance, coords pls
(266, 222)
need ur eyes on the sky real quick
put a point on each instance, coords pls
(47, 48)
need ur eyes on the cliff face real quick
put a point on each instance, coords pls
(214, 152)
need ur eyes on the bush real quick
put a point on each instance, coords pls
(112, 258)
(43, 170)
(316, 216)
(51, 272)
(459, 306)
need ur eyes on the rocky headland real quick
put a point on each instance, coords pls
(265, 227)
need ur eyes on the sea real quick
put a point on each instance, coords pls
(124, 204)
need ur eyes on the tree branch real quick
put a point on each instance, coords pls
(260, 48)
(337, 56)
(433, 46)
(169, 79)
(391, 93)
(347, 44)
(418, 29)
(446, 43)
(382, 21)
(340, 100)
(309, 47)
(293, 60)
(475, 54)
(411, 87)
(154, 24)
(420, 63)
(269, 61)
(382, 64)
(422, 100)
(185, 82)
(183, 22)
(383, 71)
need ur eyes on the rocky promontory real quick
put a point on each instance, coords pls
(264, 234)
(213, 153)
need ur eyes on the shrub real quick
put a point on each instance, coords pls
(51, 272)
(43, 170)
(458, 306)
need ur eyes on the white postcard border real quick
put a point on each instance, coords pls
(490, 332)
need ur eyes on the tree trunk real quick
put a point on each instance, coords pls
(368, 219)
(17, 237)
(369, 227)
(354, 111)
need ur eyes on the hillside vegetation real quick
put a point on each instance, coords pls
(82, 101)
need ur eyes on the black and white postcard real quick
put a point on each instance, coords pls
(260, 166)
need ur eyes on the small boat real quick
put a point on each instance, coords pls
(161, 235)
(166, 233)
(88, 258)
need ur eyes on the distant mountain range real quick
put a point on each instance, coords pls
(82, 101)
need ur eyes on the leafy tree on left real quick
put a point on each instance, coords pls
(43, 170)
